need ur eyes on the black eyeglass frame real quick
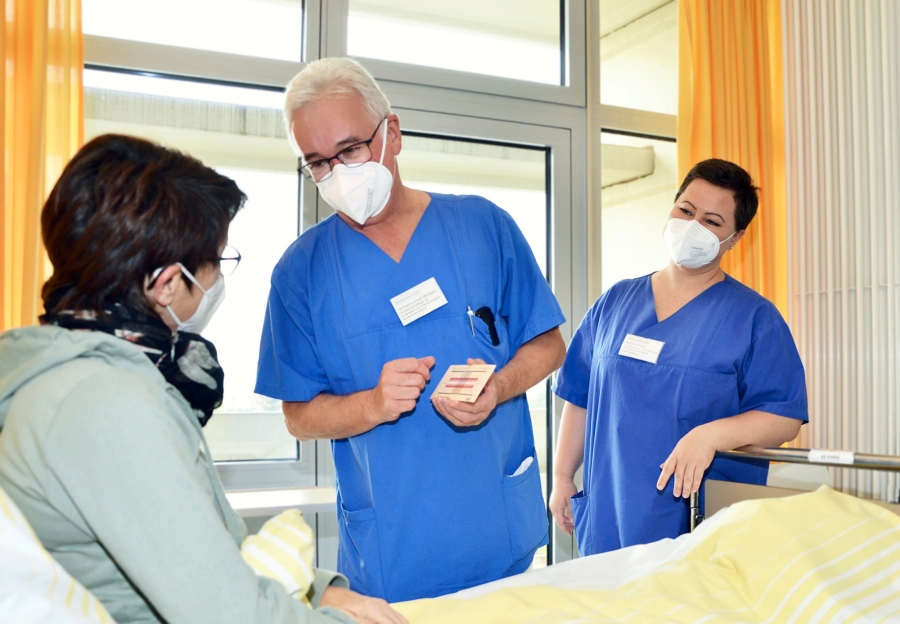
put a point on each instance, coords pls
(237, 262)
(304, 168)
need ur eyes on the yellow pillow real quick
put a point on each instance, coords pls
(35, 587)
(283, 550)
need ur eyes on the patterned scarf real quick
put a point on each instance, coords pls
(187, 361)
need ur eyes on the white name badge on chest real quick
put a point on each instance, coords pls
(645, 349)
(418, 301)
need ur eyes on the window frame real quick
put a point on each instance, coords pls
(567, 240)
(573, 44)
(432, 101)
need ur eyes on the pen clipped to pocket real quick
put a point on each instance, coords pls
(485, 314)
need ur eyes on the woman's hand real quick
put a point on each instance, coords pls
(363, 609)
(688, 461)
(695, 452)
(561, 503)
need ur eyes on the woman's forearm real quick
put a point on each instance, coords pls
(754, 427)
(570, 442)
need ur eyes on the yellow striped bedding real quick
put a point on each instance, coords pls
(33, 586)
(816, 557)
(283, 550)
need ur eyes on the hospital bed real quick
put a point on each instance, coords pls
(782, 556)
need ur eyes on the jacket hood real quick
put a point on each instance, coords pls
(27, 352)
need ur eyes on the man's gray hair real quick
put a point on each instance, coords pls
(332, 77)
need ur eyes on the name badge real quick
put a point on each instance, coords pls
(645, 349)
(418, 301)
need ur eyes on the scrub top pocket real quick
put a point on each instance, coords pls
(525, 512)
(705, 396)
(359, 531)
(582, 521)
(483, 335)
(485, 348)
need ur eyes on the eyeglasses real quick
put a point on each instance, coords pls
(228, 264)
(352, 156)
(229, 261)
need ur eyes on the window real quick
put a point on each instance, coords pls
(491, 82)
(510, 38)
(514, 178)
(638, 155)
(639, 55)
(638, 188)
(238, 132)
(265, 28)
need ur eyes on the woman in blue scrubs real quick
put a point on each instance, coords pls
(669, 368)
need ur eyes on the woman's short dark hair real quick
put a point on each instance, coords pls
(124, 207)
(732, 177)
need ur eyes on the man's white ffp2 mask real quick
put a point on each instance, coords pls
(361, 191)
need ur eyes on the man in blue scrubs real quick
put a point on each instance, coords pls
(433, 496)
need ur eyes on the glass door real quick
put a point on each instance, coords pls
(514, 166)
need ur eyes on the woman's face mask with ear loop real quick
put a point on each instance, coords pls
(691, 245)
(209, 303)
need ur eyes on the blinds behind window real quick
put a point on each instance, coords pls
(842, 65)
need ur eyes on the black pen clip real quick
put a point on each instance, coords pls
(485, 314)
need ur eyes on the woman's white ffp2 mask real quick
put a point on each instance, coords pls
(209, 303)
(362, 191)
(691, 245)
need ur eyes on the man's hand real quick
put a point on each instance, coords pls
(363, 609)
(398, 389)
(464, 414)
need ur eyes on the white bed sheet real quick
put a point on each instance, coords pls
(604, 571)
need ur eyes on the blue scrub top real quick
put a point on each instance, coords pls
(726, 352)
(424, 508)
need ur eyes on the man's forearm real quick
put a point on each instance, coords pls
(534, 361)
(328, 416)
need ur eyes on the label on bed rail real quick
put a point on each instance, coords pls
(824, 456)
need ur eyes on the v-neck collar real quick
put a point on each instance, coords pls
(412, 239)
(677, 312)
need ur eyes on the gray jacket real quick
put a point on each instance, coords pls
(109, 465)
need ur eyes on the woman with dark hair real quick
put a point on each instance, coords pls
(101, 407)
(669, 368)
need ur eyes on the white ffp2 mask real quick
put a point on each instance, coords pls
(691, 245)
(209, 303)
(360, 192)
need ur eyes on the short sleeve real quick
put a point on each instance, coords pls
(528, 304)
(289, 367)
(574, 376)
(772, 378)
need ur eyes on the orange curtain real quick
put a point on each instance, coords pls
(731, 106)
(42, 102)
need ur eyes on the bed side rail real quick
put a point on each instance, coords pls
(824, 457)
